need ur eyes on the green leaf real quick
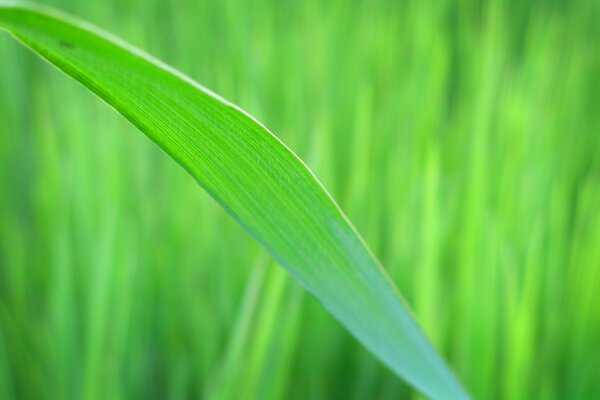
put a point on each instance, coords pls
(254, 176)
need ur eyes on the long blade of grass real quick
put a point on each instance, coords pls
(254, 176)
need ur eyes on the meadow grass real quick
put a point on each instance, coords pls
(461, 139)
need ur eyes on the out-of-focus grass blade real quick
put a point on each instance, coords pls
(254, 176)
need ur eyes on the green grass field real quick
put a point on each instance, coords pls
(461, 138)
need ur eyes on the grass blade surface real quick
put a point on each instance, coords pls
(254, 176)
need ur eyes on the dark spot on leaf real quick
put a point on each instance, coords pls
(67, 44)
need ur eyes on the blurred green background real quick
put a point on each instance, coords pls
(461, 138)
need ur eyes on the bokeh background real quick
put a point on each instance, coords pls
(462, 138)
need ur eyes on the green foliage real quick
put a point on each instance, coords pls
(461, 138)
(258, 180)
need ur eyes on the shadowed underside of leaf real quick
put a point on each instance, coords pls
(254, 176)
